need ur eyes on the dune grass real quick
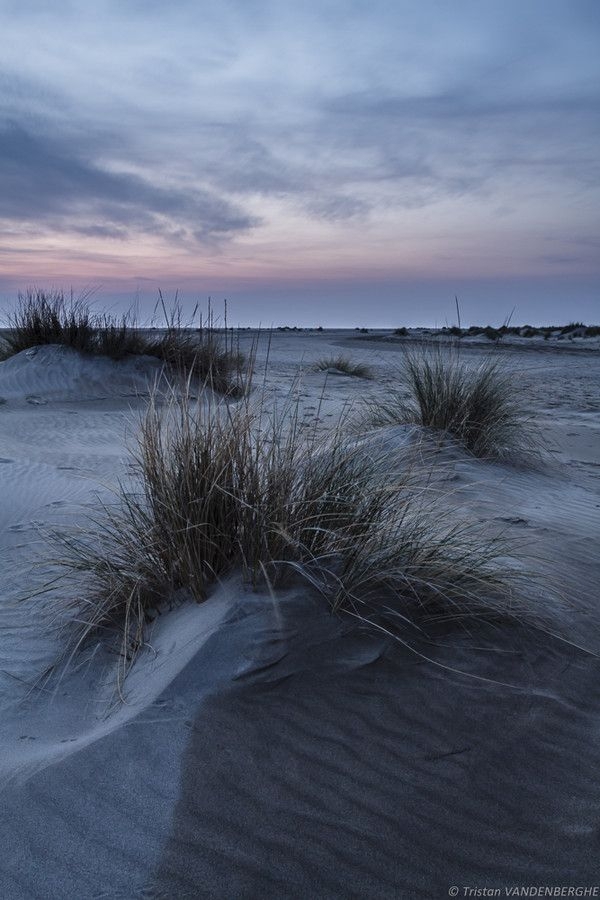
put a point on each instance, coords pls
(345, 365)
(222, 488)
(48, 317)
(479, 405)
(207, 354)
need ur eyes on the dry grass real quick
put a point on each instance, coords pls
(49, 318)
(223, 487)
(479, 405)
(344, 365)
(207, 353)
(117, 337)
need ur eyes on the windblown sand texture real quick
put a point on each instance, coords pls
(265, 748)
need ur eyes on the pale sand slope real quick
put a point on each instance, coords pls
(269, 749)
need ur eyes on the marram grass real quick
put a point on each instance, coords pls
(221, 487)
(48, 317)
(479, 405)
(344, 365)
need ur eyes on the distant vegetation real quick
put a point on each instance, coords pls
(573, 329)
(527, 331)
(207, 353)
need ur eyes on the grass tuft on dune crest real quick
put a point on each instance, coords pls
(48, 317)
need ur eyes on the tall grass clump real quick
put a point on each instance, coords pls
(207, 353)
(479, 405)
(43, 317)
(344, 365)
(117, 337)
(220, 488)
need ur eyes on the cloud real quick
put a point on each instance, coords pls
(461, 139)
(386, 134)
(335, 208)
(45, 180)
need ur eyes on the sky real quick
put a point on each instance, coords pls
(354, 163)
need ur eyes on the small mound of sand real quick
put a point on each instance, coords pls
(51, 372)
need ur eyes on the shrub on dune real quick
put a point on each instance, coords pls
(478, 405)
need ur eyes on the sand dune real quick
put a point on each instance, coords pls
(49, 373)
(266, 748)
(363, 772)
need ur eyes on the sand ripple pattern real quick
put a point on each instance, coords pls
(343, 769)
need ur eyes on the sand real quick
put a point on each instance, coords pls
(264, 748)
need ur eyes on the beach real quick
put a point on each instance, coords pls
(260, 746)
